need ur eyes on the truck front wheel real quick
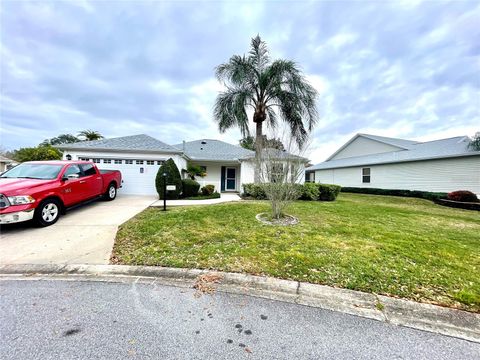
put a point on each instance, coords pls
(47, 213)
(111, 193)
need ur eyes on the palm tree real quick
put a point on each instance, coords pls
(272, 90)
(90, 135)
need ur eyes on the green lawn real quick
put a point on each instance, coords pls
(395, 246)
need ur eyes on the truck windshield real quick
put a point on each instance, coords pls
(33, 171)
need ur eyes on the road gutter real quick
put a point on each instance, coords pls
(427, 317)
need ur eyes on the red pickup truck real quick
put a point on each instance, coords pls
(42, 190)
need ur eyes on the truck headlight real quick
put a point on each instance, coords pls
(21, 200)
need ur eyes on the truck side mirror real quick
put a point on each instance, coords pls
(70, 177)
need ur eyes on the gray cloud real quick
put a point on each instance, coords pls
(396, 68)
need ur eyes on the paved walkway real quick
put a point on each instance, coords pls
(224, 197)
(84, 235)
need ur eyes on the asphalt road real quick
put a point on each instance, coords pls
(98, 320)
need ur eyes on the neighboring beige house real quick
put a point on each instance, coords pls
(5, 163)
(380, 162)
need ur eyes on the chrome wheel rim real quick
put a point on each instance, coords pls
(111, 192)
(49, 212)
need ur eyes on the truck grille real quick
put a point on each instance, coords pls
(4, 203)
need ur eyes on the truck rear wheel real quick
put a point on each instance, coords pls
(47, 213)
(111, 193)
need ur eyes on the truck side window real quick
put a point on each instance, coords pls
(88, 169)
(73, 169)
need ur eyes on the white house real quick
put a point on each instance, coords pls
(5, 163)
(226, 165)
(138, 157)
(380, 162)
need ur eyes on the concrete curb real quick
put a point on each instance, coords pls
(437, 319)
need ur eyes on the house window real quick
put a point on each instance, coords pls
(107, 161)
(160, 162)
(83, 159)
(150, 162)
(118, 161)
(139, 162)
(365, 175)
(129, 162)
(310, 177)
(96, 161)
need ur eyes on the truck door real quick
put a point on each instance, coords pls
(72, 189)
(91, 180)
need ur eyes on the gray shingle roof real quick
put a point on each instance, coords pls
(140, 142)
(437, 149)
(214, 150)
(277, 154)
(5, 159)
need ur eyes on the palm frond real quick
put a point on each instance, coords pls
(237, 71)
(230, 110)
(259, 53)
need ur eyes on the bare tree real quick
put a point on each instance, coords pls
(281, 173)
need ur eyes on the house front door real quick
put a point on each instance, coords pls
(230, 179)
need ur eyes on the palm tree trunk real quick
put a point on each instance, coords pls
(258, 151)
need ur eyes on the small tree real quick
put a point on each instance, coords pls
(60, 140)
(38, 153)
(475, 142)
(280, 174)
(172, 178)
(89, 135)
(195, 170)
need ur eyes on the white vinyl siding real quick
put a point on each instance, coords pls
(443, 175)
(214, 174)
(247, 172)
(362, 146)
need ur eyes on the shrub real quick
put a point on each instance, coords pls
(173, 178)
(392, 192)
(208, 189)
(255, 191)
(190, 187)
(215, 195)
(462, 196)
(328, 192)
(307, 191)
(310, 191)
(458, 204)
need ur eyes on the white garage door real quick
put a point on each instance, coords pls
(138, 174)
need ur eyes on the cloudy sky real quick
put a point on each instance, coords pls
(402, 68)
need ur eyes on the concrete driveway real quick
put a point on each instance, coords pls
(84, 235)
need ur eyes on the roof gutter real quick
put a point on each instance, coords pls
(62, 147)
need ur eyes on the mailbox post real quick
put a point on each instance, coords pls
(164, 191)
